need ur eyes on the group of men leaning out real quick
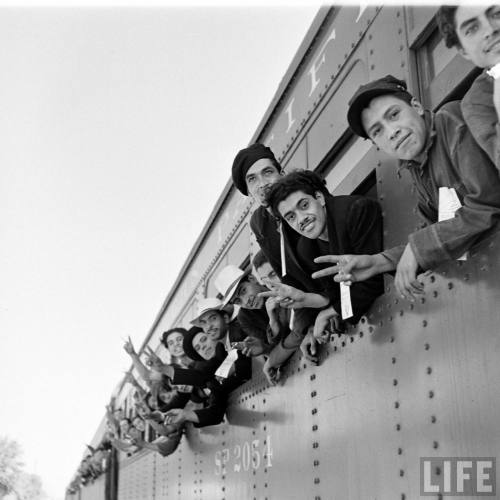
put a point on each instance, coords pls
(292, 300)
(452, 156)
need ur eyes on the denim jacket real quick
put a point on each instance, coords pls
(481, 117)
(452, 159)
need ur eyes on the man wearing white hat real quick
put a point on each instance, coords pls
(240, 288)
(218, 321)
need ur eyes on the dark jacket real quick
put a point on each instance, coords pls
(354, 227)
(481, 117)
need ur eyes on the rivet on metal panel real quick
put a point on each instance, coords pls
(265, 427)
(370, 329)
(398, 427)
(432, 279)
(314, 428)
(370, 37)
(403, 496)
(316, 463)
(316, 480)
(412, 306)
(352, 338)
(431, 394)
(427, 347)
(401, 312)
(433, 419)
(314, 411)
(424, 323)
(435, 293)
(361, 335)
(391, 339)
(429, 370)
(393, 360)
(402, 64)
(422, 300)
(395, 382)
(315, 445)
(372, 66)
(438, 471)
(334, 347)
(343, 344)
(401, 472)
(400, 451)
(313, 377)
(313, 394)
(396, 404)
(450, 285)
(435, 445)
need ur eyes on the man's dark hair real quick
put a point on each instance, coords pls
(445, 19)
(300, 180)
(259, 259)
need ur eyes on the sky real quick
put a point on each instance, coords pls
(118, 128)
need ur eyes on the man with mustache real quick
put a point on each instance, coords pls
(329, 224)
(474, 30)
(448, 168)
(254, 170)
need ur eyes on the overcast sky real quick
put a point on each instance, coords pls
(118, 127)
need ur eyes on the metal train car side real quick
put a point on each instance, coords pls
(411, 380)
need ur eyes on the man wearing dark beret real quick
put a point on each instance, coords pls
(457, 185)
(255, 169)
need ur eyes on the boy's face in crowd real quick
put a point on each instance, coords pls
(165, 395)
(214, 324)
(204, 345)
(246, 294)
(174, 344)
(259, 179)
(139, 424)
(268, 275)
(305, 214)
(478, 30)
(396, 127)
(124, 426)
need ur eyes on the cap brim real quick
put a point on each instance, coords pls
(196, 320)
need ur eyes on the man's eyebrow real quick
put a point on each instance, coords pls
(466, 23)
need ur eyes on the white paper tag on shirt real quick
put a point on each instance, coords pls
(345, 301)
(282, 251)
(292, 318)
(226, 365)
(448, 205)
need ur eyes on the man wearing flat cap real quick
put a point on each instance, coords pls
(457, 185)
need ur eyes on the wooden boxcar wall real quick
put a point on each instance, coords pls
(412, 379)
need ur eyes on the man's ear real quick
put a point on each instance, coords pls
(417, 106)
(320, 197)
